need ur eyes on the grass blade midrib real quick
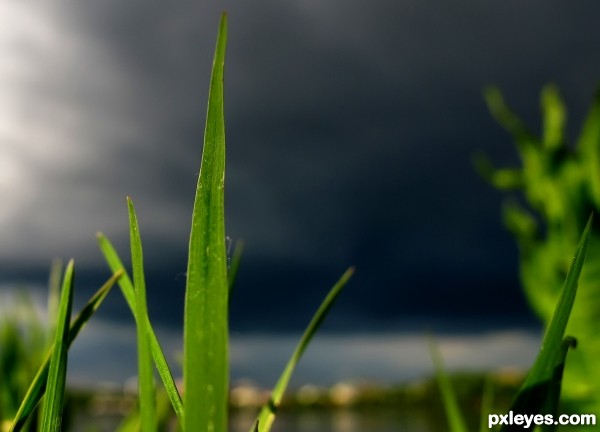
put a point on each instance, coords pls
(205, 364)
(57, 371)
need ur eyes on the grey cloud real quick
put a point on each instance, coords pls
(107, 354)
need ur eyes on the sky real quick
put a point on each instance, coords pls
(351, 128)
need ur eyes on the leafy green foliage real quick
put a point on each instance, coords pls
(560, 184)
(38, 385)
(23, 343)
(24, 340)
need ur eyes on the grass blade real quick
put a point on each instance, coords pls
(268, 412)
(205, 363)
(57, 374)
(533, 395)
(38, 386)
(455, 418)
(115, 264)
(147, 393)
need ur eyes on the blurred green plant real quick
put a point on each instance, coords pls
(559, 185)
(51, 372)
(25, 337)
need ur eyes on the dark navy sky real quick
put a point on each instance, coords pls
(350, 132)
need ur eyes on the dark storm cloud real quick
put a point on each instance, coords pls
(350, 132)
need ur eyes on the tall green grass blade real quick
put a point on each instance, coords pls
(205, 363)
(234, 265)
(115, 264)
(38, 385)
(454, 416)
(57, 373)
(268, 412)
(147, 392)
(533, 395)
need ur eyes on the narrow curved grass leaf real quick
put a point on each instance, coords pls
(267, 413)
(534, 393)
(126, 285)
(38, 385)
(454, 416)
(57, 373)
(205, 349)
(147, 392)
